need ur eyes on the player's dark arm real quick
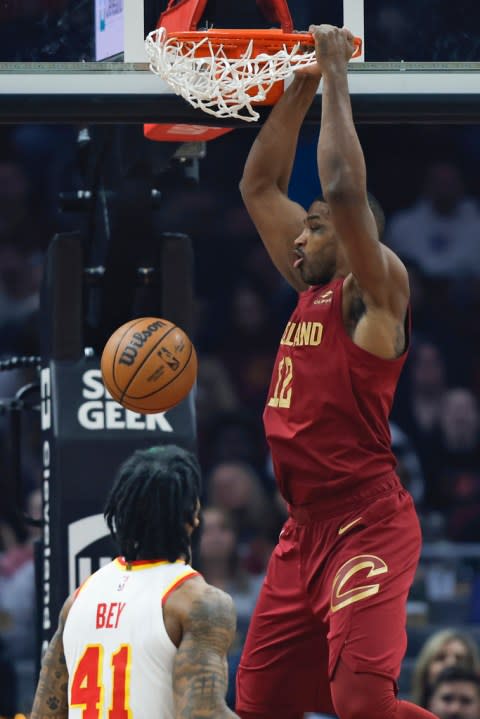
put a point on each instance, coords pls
(51, 696)
(264, 185)
(341, 163)
(200, 672)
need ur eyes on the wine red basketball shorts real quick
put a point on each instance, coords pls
(335, 586)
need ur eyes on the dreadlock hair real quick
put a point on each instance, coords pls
(154, 495)
(376, 209)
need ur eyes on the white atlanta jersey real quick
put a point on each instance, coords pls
(118, 653)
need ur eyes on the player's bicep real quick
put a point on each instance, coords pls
(357, 231)
(279, 221)
(200, 672)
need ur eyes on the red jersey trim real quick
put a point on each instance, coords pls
(178, 581)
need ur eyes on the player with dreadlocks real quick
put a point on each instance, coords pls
(137, 639)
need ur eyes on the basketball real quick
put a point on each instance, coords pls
(149, 365)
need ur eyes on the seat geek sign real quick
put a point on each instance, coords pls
(81, 402)
(99, 411)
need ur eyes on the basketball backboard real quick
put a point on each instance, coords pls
(78, 60)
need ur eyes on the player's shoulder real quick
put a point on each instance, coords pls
(65, 610)
(196, 600)
(396, 286)
(397, 272)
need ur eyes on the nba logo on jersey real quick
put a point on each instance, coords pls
(89, 549)
(122, 583)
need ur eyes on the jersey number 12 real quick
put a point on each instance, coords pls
(282, 395)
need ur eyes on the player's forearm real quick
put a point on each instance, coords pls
(51, 696)
(272, 155)
(195, 710)
(341, 164)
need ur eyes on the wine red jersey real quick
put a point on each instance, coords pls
(326, 417)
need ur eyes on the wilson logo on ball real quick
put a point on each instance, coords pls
(138, 340)
(149, 365)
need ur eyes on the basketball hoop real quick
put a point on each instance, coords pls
(226, 72)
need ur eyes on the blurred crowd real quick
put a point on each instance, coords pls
(241, 307)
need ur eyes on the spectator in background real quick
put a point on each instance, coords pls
(417, 408)
(17, 582)
(236, 487)
(445, 648)
(234, 436)
(455, 694)
(18, 606)
(247, 345)
(220, 564)
(408, 464)
(440, 233)
(457, 459)
(280, 295)
(215, 393)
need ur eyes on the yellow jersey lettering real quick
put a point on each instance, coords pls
(296, 339)
(302, 334)
(282, 394)
(305, 333)
(285, 334)
(316, 333)
(291, 330)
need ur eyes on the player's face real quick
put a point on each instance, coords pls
(316, 247)
(456, 700)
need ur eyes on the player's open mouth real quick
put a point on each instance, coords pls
(299, 259)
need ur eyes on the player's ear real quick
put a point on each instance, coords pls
(196, 516)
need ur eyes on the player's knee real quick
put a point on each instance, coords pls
(356, 696)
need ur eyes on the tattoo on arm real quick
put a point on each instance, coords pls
(51, 696)
(200, 674)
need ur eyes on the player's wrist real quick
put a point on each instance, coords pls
(304, 80)
(334, 70)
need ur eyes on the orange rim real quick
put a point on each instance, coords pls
(264, 40)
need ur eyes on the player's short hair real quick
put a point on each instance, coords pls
(375, 207)
(154, 496)
(455, 673)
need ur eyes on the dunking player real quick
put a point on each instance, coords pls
(328, 632)
(138, 640)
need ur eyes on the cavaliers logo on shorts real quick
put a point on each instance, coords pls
(342, 597)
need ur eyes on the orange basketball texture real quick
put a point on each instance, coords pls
(149, 365)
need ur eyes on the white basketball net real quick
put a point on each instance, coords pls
(219, 85)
